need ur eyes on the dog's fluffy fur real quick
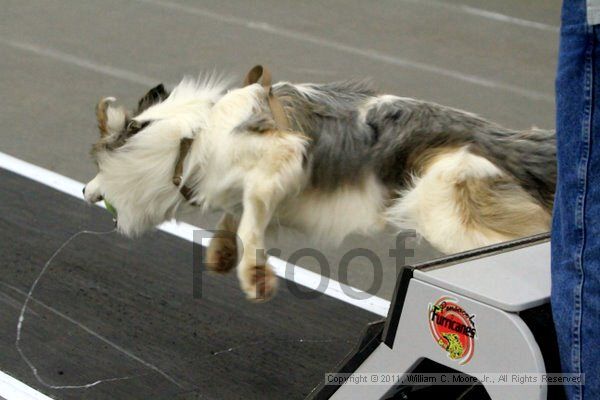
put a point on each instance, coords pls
(355, 161)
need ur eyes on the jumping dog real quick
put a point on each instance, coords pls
(329, 159)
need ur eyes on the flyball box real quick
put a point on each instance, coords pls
(480, 312)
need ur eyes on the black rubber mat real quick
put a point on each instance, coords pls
(121, 310)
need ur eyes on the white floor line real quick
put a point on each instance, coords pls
(278, 31)
(185, 231)
(130, 76)
(134, 77)
(81, 62)
(491, 15)
(13, 389)
(357, 51)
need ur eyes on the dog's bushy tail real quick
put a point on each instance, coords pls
(530, 157)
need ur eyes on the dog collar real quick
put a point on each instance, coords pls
(184, 148)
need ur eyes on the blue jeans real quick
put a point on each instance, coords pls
(576, 223)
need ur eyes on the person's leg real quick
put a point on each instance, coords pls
(576, 224)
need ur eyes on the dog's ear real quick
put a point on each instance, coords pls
(102, 114)
(253, 75)
(154, 96)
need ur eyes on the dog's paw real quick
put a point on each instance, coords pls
(259, 282)
(221, 255)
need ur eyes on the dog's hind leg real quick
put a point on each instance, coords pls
(462, 201)
(221, 255)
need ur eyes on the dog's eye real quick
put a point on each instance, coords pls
(134, 126)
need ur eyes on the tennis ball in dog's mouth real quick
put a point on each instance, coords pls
(110, 208)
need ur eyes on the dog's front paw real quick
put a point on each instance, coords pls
(259, 282)
(221, 255)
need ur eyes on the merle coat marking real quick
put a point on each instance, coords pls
(355, 161)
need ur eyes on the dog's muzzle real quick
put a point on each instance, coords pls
(93, 199)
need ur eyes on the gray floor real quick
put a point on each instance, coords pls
(122, 311)
(495, 58)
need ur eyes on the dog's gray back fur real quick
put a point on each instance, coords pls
(342, 144)
(396, 131)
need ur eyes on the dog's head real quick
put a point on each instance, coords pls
(135, 155)
(117, 125)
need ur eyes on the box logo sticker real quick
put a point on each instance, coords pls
(453, 329)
